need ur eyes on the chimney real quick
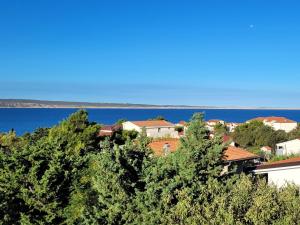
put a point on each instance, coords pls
(166, 148)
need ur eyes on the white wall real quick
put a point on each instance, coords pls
(131, 126)
(288, 148)
(279, 176)
(287, 127)
(161, 132)
(154, 132)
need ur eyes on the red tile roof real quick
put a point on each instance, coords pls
(238, 154)
(282, 163)
(153, 123)
(183, 123)
(275, 119)
(158, 145)
(230, 154)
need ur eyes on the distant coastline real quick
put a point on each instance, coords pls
(30, 103)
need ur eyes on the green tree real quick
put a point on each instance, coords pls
(256, 134)
(220, 129)
(46, 171)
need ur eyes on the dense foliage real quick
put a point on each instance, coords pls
(256, 134)
(65, 175)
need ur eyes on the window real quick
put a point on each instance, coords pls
(158, 129)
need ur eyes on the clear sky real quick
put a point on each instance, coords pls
(224, 53)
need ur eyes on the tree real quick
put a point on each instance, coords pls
(220, 129)
(185, 173)
(158, 118)
(46, 171)
(109, 185)
(256, 134)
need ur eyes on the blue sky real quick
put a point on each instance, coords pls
(224, 53)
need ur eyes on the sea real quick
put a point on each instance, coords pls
(24, 120)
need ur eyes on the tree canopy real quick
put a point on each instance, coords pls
(66, 175)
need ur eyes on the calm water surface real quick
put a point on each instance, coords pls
(27, 120)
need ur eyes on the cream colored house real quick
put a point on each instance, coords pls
(154, 128)
(288, 147)
(278, 123)
(281, 172)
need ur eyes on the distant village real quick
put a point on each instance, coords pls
(165, 139)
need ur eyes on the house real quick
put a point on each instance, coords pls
(154, 128)
(109, 130)
(239, 158)
(210, 124)
(164, 146)
(267, 152)
(266, 149)
(280, 172)
(232, 156)
(278, 123)
(231, 126)
(288, 147)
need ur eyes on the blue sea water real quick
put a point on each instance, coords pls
(27, 120)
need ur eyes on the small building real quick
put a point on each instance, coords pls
(288, 147)
(109, 130)
(154, 128)
(266, 150)
(278, 123)
(215, 122)
(210, 124)
(281, 172)
(231, 126)
(239, 158)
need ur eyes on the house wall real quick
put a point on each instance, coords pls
(154, 132)
(288, 148)
(280, 176)
(162, 132)
(287, 127)
(131, 126)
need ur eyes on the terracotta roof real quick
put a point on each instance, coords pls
(282, 163)
(238, 154)
(182, 123)
(275, 119)
(153, 123)
(230, 154)
(158, 146)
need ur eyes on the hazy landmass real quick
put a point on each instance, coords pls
(30, 103)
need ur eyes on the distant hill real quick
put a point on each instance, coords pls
(28, 103)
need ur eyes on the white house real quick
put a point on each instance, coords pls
(210, 124)
(288, 147)
(281, 172)
(231, 126)
(278, 123)
(154, 128)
